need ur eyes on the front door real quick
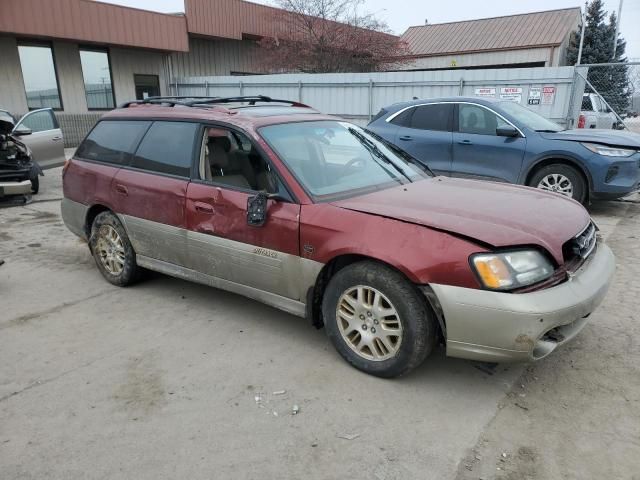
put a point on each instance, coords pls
(45, 140)
(220, 242)
(425, 133)
(478, 152)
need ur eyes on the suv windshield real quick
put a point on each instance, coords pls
(334, 159)
(530, 119)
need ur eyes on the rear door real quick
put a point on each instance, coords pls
(425, 132)
(220, 242)
(149, 193)
(45, 140)
(478, 152)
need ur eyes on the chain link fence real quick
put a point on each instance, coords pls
(611, 96)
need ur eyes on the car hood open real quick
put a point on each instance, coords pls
(496, 214)
(617, 138)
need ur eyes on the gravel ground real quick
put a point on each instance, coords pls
(169, 379)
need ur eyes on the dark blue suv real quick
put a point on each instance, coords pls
(506, 142)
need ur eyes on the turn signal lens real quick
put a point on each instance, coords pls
(493, 272)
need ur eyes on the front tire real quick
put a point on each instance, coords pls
(377, 320)
(562, 179)
(112, 250)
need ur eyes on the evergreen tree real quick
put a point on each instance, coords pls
(612, 82)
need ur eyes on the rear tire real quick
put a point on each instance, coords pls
(112, 250)
(377, 320)
(562, 179)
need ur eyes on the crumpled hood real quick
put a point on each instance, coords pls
(618, 138)
(497, 214)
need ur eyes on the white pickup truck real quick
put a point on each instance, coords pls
(595, 114)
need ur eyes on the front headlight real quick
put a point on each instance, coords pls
(609, 151)
(510, 270)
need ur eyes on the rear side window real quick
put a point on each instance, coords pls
(167, 148)
(586, 104)
(113, 141)
(433, 117)
(404, 118)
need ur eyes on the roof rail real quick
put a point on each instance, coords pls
(170, 100)
(197, 101)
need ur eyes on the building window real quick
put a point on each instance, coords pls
(40, 78)
(98, 86)
(146, 86)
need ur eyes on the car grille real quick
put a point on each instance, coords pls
(581, 246)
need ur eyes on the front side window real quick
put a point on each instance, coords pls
(167, 148)
(97, 79)
(39, 74)
(39, 121)
(334, 159)
(113, 141)
(229, 158)
(529, 118)
(478, 120)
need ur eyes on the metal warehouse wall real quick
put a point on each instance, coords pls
(358, 96)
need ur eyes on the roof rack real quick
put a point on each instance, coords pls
(197, 101)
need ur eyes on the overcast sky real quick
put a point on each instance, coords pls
(405, 13)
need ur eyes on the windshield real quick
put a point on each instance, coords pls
(530, 119)
(333, 159)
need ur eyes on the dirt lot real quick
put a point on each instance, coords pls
(174, 380)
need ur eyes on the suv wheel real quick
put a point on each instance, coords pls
(561, 179)
(377, 320)
(112, 250)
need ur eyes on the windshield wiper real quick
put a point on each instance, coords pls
(375, 151)
(406, 155)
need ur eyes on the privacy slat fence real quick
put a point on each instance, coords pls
(359, 96)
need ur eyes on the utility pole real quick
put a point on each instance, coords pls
(584, 22)
(615, 36)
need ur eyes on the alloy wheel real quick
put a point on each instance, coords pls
(369, 323)
(110, 249)
(558, 183)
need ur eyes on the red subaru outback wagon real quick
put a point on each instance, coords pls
(323, 219)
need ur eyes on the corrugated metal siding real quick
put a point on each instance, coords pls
(92, 21)
(125, 63)
(216, 57)
(500, 33)
(12, 94)
(229, 18)
(462, 60)
(348, 94)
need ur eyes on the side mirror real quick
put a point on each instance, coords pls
(257, 209)
(21, 131)
(507, 131)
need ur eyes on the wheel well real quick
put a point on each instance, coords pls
(93, 212)
(316, 292)
(562, 161)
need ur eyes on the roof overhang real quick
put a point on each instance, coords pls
(94, 22)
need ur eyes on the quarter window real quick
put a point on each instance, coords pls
(167, 148)
(97, 79)
(478, 120)
(39, 74)
(112, 141)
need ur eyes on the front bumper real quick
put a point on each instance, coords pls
(502, 327)
(15, 188)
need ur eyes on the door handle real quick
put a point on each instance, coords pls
(57, 139)
(465, 142)
(406, 138)
(122, 190)
(203, 207)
